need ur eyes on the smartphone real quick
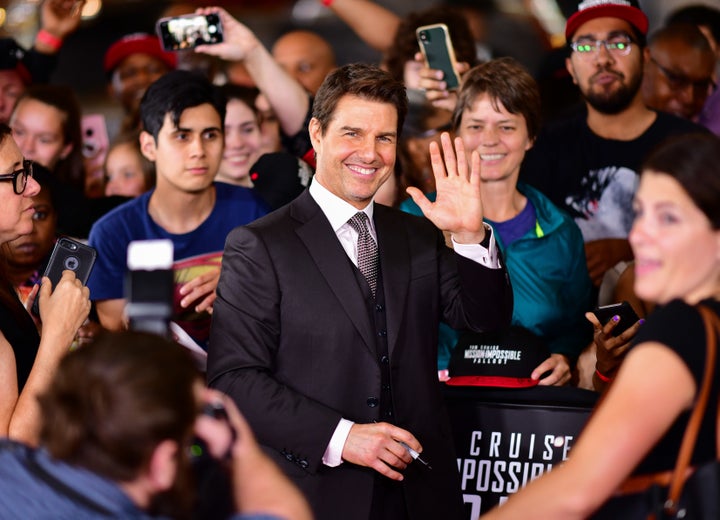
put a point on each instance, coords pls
(437, 49)
(68, 254)
(188, 31)
(95, 144)
(628, 317)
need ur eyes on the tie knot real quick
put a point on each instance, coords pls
(359, 222)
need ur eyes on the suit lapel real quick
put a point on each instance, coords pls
(395, 267)
(332, 261)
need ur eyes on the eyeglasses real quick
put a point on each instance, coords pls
(680, 82)
(19, 177)
(619, 45)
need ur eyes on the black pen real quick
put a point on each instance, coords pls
(415, 455)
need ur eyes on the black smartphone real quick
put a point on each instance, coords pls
(68, 254)
(437, 49)
(627, 314)
(188, 31)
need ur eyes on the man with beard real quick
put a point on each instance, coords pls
(588, 164)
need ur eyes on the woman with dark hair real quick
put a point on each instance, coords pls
(46, 127)
(638, 427)
(243, 139)
(28, 360)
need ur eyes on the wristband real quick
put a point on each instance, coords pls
(602, 377)
(48, 39)
(327, 3)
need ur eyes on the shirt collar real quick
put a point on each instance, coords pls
(337, 211)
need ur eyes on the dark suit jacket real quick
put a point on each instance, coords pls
(292, 342)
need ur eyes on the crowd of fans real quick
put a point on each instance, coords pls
(587, 173)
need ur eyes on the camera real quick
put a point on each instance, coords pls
(149, 286)
(189, 31)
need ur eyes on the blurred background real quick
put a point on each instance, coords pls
(104, 21)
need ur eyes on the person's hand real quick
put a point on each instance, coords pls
(87, 332)
(238, 40)
(458, 205)
(64, 309)
(377, 446)
(203, 285)
(61, 17)
(433, 83)
(559, 368)
(610, 350)
(220, 433)
(603, 254)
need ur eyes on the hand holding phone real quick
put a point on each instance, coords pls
(68, 254)
(188, 31)
(437, 49)
(623, 310)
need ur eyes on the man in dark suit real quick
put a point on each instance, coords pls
(335, 367)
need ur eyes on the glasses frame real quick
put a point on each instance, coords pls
(587, 55)
(680, 81)
(23, 173)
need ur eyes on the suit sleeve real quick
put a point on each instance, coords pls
(244, 343)
(475, 297)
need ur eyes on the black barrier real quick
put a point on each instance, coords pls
(505, 438)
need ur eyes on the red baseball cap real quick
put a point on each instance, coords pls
(587, 10)
(137, 43)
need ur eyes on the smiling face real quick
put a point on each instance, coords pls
(16, 211)
(677, 253)
(242, 144)
(608, 82)
(186, 157)
(38, 131)
(356, 153)
(501, 139)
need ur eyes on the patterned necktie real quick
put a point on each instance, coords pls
(367, 250)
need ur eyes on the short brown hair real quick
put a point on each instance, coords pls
(112, 402)
(507, 82)
(361, 80)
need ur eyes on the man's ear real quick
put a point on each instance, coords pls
(162, 468)
(148, 146)
(570, 69)
(66, 150)
(315, 130)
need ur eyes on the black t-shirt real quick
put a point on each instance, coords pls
(592, 178)
(680, 327)
(20, 331)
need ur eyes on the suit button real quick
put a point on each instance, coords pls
(389, 413)
(379, 308)
(303, 463)
(384, 360)
(386, 387)
(382, 333)
(372, 402)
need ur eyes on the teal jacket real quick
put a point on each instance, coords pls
(550, 282)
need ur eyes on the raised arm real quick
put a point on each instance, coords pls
(287, 97)
(373, 24)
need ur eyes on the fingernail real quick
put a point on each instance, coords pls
(616, 318)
